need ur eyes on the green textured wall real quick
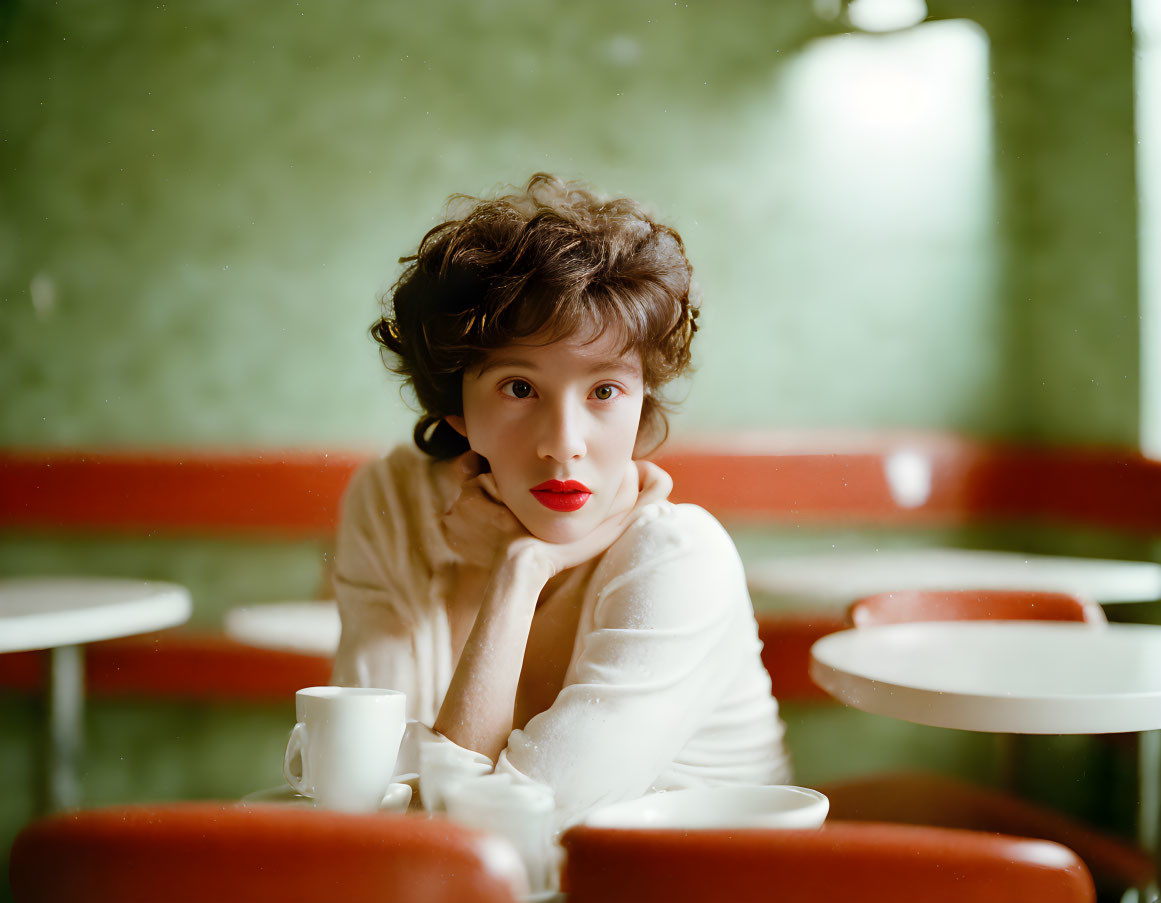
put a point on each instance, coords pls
(199, 204)
(1065, 164)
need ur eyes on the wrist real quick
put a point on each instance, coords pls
(526, 560)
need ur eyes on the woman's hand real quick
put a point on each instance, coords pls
(478, 526)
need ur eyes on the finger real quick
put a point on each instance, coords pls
(469, 465)
(487, 483)
(479, 505)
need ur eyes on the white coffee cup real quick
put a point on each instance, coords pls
(342, 751)
(520, 813)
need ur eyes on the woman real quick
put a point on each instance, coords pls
(520, 574)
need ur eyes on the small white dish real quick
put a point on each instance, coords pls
(396, 799)
(773, 806)
(309, 627)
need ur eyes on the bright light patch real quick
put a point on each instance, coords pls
(886, 15)
(901, 123)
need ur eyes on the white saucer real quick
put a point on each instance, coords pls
(396, 799)
(772, 806)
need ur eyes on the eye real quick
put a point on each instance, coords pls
(607, 392)
(516, 388)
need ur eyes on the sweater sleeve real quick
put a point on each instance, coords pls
(392, 636)
(664, 645)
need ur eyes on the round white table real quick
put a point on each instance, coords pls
(839, 579)
(1016, 677)
(310, 627)
(61, 613)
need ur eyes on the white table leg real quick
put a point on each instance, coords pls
(66, 712)
(1149, 799)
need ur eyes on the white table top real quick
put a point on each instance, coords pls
(43, 612)
(841, 578)
(311, 627)
(1004, 676)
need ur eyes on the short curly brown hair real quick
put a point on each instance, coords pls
(551, 261)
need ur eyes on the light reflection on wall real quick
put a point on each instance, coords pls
(886, 15)
(899, 126)
(890, 140)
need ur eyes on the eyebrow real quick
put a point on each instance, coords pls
(603, 365)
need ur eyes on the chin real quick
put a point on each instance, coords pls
(559, 529)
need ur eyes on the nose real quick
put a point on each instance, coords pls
(562, 433)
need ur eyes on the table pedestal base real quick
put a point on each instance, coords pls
(65, 728)
(1148, 805)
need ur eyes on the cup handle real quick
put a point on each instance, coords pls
(296, 777)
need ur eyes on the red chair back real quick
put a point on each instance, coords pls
(842, 862)
(972, 605)
(226, 853)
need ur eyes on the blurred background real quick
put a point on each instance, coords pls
(902, 217)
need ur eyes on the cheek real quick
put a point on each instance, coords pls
(622, 433)
(481, 441)
(481, 423)
(499, 446)
(614, 450)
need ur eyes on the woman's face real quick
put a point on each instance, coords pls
(557, 423)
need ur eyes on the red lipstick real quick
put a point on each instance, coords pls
(561, 495)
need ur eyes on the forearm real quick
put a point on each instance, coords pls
(477, 710)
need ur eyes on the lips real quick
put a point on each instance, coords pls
(562, 495)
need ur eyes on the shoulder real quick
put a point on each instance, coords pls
(390, 524)
(385, 475)
(673, 561)
(394, 504)
(379, 487)
(664, 530)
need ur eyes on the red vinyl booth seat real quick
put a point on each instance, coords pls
(786, 640)
(180, 664)
(228, 853)
(841, 863)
